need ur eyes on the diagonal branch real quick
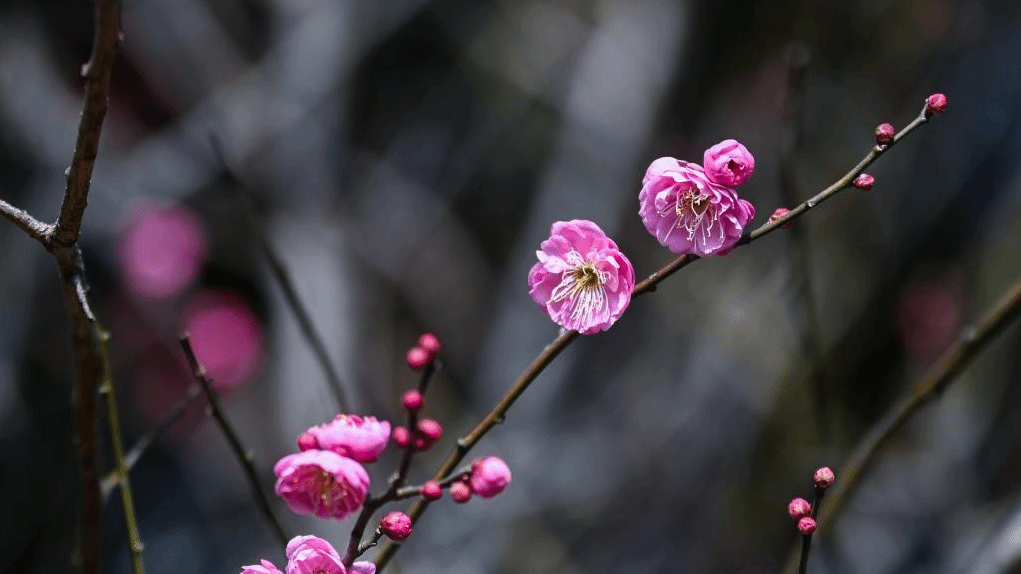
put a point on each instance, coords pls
(33, 227)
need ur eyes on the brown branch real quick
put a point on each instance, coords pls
(33, 227)
(497, 414)
(936, 380)
(243, 455)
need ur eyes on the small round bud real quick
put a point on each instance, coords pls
(460, 492)
(307, 441)
(396, 525)
(402, 436)
(824, 477)
(864, 182)
(432, 490)
(798, 508)
(430, 343)
(935, 104)
(430, 429)
(412, 400)
(422, 442)
(418, 358)
(780, 213)
(884, 134)
(490, 476)
(806, 525)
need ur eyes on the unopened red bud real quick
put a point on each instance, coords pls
(430, 429)
(396, 525)
(430, 343)
(307, 441)
(806, 525)
(422, 442)
(780, 213)
(432, 490)
(402, 436)
(412, 400)
(884, 134)
(798, 508)
(418, 358)
(824, 477)
(864, 182)
(935, 104)
(460, 492)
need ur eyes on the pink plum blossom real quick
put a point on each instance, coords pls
(728, 163)
(689, 213)
(161, 251)
(266, 567)
(227, 336)
(358, 438)
(490, 475)
(321, 482)
(582, 280)
(313, 555)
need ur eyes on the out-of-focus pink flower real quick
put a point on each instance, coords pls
(321, 482)
(689, 213)
(266, 567)
(360, 438)
(226, 335)
(728, 163)
(582, 280)
(490, 475)
(929, 315)
(161, 251)
(460, 492)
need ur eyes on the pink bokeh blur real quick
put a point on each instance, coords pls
(161, 249)
(227, 336)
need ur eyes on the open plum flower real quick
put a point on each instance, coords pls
(358, 438)
(322, 483)
(690, 213)
(582, 280)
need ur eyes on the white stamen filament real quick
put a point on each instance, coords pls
(582, 285)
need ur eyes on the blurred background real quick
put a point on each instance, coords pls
(404, 159)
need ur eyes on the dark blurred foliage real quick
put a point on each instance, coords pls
(406, 158)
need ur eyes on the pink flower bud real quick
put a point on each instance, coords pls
(412, 400)
(864, 182)
(322, 483)
(935, 104)
(422, 442)
(490, 475)
(359, 438)
(418, 358)
(431, 490)
(728, 163)
(430, 429)
(884, 134)
(396, 525)
(307, 441)
(460, 492)
(266, 567)
(798, 508)
(402, 437)
(806, 525)
(430, 343)
(780, 213)
(824, 477)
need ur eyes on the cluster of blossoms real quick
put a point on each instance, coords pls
(584, 282)
(801, 510)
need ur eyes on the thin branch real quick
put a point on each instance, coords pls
(936, 380)
(244, 455)
(806, 539)
(33, 227)
(97, 72)
(497, 414)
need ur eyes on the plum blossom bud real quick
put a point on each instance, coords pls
(806, 525)
(418, 358)
(582, 280)
(412, 400)
(935, 104)
(430, 343)
(460, 492)
(431, 490)
(884, 134)
(798, 508)
(307, 441)
(489, 476)
(422, 442)
(430, 429)
(266, 567)
(396, 525)
(864, 182)
(728, 163)
(359, 438)
(824, 477)
(780, 213)
(322, 483)
(402, 436)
